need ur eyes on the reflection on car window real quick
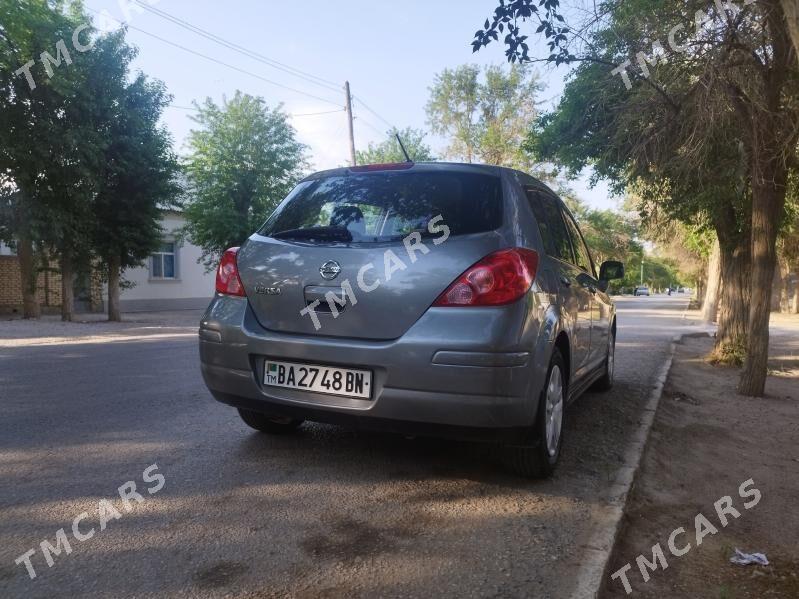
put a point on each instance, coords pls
(581, 252)
(386, 206)
(550, 224)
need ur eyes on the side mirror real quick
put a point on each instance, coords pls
(611, 270)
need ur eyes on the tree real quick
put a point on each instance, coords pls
(791, 9)
(789, 252)
(83, 163)
(50, 142)
(42, 147)
(244, 160)
(600, 124)
(389, 150)
(739, 67)
(140, 168)
(610, 235)
(485, 120)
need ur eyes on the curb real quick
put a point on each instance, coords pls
(599, 548)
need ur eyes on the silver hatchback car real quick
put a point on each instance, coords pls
(435, 299)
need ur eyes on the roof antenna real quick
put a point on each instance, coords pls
(402, 146)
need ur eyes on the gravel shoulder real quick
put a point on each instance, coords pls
(706, 441)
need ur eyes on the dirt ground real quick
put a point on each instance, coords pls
(706, 441)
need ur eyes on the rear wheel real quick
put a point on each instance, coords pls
(273, 425)
(606, 382)
(539, 460)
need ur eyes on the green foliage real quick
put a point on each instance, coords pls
(681, 138)
(140, 168)
(244, 160)
(610, 235)
(485, 120)
(389, 149)
(732, 353)
(84, 165)
(507, 20)
(48, 138)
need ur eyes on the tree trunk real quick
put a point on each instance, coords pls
(791, 10)
(28, 278)
(795, 301)
(710, 305)
(768, 201)
(67, 287)
(733, 314)
(114, 313)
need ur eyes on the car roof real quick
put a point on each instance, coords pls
(452, 167)
(461, 167)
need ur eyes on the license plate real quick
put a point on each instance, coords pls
(319, 379)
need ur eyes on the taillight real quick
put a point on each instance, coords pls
(389, 166)
(498, 279)
(227, 275)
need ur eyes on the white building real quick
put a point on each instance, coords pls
(172, 278)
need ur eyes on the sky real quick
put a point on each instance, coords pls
(389, 52)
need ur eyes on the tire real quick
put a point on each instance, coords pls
(539, 460)
(606, 382)
(267, 424)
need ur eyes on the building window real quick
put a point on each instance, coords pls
(162, 262)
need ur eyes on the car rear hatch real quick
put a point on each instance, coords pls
(368, 251)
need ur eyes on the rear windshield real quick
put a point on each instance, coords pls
(380, 207)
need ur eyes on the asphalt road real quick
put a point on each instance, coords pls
(325, 513)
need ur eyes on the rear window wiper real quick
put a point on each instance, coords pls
(424, 233)
(341, 234)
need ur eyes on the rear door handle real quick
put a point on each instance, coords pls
(566, 281)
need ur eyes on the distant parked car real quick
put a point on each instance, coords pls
(491, 335)
(641, 291)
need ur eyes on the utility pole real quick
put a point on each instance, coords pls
(348, 107)
(642, 273)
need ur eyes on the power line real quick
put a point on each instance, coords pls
(362, 103)
(225, 64)
(319, 113)
(241, 49)
(293, 71)
(193, 109)
(309, 77)
(360, 119)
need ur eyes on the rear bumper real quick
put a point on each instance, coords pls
(426, 382)
(511, 434)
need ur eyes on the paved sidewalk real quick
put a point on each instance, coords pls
(50, 330)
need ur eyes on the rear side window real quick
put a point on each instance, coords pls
(551, 225)
(380, 207)
(581, 253)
